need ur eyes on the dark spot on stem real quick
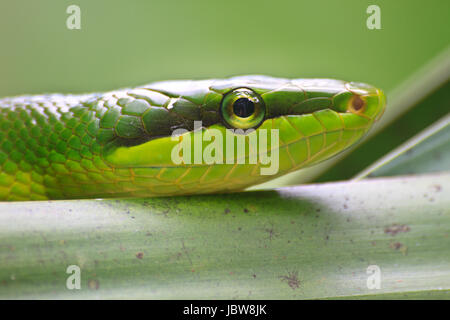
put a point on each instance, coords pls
(93, 284)
(395, 228)
(396, 245)
(292, 279)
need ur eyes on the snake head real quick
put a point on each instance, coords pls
(297, 123)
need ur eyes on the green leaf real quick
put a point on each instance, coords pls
(313, 241)
(428, 151)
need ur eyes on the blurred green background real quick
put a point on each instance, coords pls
(130, 43)
(133, 42)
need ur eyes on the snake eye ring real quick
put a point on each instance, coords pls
(242, 108)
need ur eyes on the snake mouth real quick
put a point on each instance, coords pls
(382, 104)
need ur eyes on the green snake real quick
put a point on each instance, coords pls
(121, 143)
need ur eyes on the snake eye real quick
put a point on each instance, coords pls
(242, 109)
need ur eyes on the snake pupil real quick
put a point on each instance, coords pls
(243, 107)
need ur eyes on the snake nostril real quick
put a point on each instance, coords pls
(357, 103)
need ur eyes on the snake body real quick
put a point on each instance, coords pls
(120, 144)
